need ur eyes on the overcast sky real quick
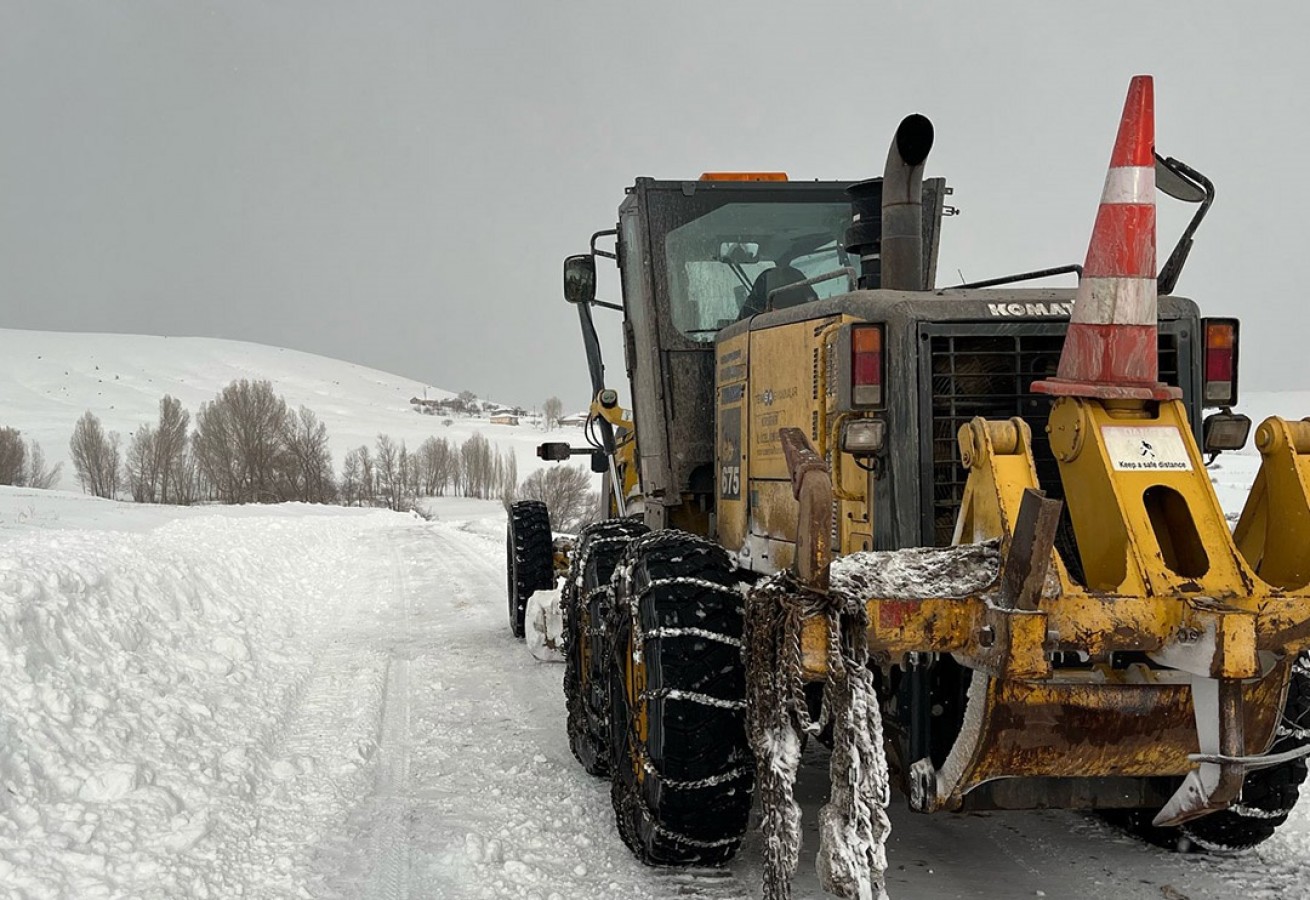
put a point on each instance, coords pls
(395, 182)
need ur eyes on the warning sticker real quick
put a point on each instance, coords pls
(1146, 449)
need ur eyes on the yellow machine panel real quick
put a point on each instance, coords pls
(771, 379)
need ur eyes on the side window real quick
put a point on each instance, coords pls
(714, 296)
(822, 261)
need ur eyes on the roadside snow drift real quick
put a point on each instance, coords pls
(142, 677)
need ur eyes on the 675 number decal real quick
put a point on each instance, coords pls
(730, 482)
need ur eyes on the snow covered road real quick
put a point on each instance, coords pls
(297, 702)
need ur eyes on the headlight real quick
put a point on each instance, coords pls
(863, 437)
(1225, 431)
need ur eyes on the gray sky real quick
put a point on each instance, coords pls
(395, 182)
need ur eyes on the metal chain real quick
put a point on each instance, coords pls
(691, 697)
(1255, 812)
(778, 715)
(693, 632)
(690, 842)
(634, 599)
(677, 785)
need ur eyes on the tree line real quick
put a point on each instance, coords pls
(247, 445)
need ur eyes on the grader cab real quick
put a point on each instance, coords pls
(967, 534)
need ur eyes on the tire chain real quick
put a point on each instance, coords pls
(578, 719)
(633, 613)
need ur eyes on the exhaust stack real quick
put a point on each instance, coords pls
(902, 205)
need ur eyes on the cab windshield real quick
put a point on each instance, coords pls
(724, 265)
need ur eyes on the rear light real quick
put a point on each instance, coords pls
(866, 365)
(1220, 378)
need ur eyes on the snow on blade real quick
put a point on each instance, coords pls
(917, 573)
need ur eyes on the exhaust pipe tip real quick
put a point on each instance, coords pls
(914, 138)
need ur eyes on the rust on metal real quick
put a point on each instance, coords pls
(812, 486)
(1028, 558)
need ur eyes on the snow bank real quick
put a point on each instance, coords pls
(142, 679)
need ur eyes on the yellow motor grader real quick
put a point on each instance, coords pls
(965, 534)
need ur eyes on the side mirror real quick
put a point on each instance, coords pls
(1175, 183)
(580, 278)
(739, 252)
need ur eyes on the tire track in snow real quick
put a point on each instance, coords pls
(390, 838)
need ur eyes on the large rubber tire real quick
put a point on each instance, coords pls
(585, 602)
(1268, 795)
(681, 775)
(529, 558)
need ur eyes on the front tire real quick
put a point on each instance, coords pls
(682, 772)
(529, 558)
(585, 602)
(1268, 795)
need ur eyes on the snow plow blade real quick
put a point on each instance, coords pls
(1209, 621)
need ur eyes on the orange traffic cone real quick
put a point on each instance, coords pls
(1110, 349)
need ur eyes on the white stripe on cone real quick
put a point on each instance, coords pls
(1129, 184)
(1115, 301)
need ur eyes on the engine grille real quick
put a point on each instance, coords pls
(991, 376)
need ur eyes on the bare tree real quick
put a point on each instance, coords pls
(551, 411)
(23, 464)
(238, 442)
(13, 457)
(509, 478)
(566, 491)
(308, 458)
(142, 465)
(39, 475)
(96, 457)
(434, 465)
(478, 467)
(392, 463)
(186, 485)
(357, 487)
(170, 444)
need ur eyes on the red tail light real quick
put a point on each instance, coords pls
(1220, 384)
(866, 365)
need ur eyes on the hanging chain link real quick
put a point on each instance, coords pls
(853, 825)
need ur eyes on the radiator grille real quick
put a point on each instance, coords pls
(991, 376)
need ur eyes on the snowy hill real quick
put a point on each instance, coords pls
(49, 379)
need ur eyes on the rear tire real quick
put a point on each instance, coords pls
(530, 560)
(585, 602)
(682, 772)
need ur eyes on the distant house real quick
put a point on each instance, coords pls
(425, 406)
(577, 420)
(504, 417)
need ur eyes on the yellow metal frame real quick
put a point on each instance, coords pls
(1163, 576)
